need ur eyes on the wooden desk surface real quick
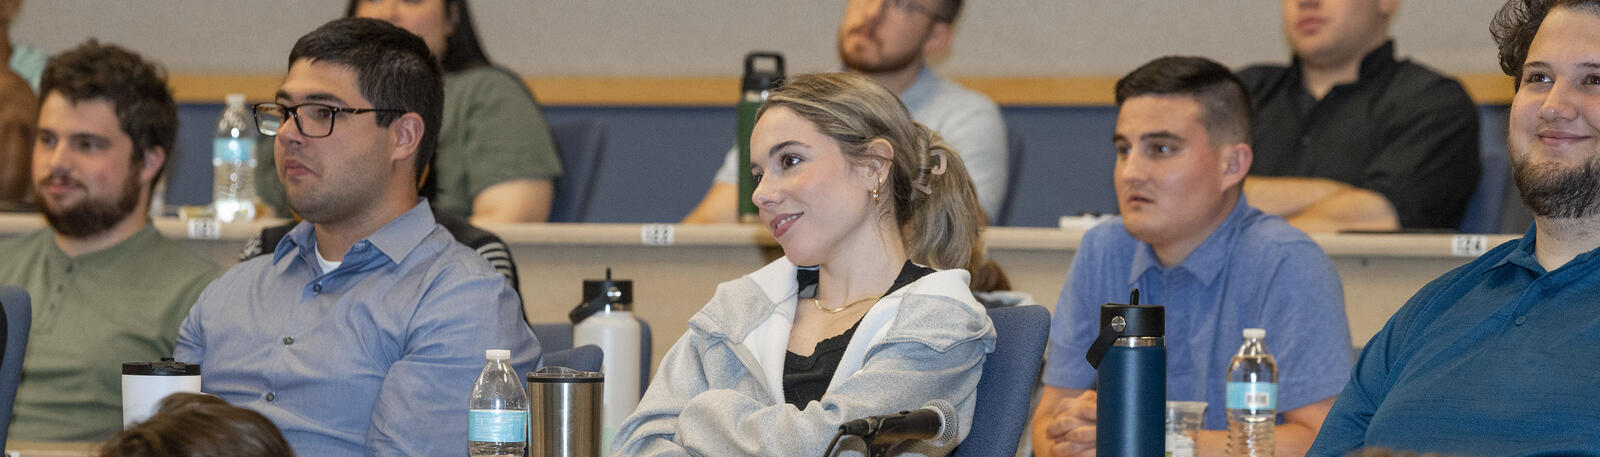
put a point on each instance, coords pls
(33, 449)
(675, 268)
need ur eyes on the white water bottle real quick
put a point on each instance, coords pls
(233, 163)
(1252, 398)
(610, 325)
(497, 411)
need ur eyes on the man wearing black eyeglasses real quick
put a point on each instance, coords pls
(890, 41)
(361, 333)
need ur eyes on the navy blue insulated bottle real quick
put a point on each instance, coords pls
(1130, 357)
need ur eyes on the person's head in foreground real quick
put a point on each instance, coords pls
(843, 173)
(199, 425)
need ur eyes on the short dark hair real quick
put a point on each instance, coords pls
(199, 425)
(1518, 21)
(1224, 104)
(393, 71)
(136, 88)
(462, 50)
(949, 11)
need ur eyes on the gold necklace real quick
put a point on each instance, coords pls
(818, 304)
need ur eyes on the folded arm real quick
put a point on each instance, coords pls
(1321, 204)
(517, 200)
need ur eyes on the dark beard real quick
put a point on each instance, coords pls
(93, 217)
(1553, 192)
(888, 64)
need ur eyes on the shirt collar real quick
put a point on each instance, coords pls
(1524, 255)
(1206, 262)
(1375, 63)
(143, 236)
(921, 90)
(394, 240)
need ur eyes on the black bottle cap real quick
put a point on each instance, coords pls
(765, 79)
(1137, 320)
(1131, 320)
(600, 294)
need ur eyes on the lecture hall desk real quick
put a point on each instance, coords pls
(675, 268)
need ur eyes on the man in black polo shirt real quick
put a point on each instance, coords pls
(1346, 137)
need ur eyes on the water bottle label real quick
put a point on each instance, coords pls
(497, 426)
(233, 149)
(1253, 395)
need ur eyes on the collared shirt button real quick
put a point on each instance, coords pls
(316, 288)
(1521, 320)
(288, 340)
(272, 396)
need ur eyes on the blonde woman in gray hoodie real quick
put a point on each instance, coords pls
(868, 313)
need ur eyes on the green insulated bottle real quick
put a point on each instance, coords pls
(752, 93)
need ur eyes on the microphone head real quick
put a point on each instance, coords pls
(949, 422)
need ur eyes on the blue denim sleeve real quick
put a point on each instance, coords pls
(1310, 332)
(1074, 325)
(191, 346)
(421, 408)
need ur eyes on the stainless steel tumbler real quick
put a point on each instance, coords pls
(564, 412)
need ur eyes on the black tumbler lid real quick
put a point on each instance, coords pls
(1137, 320)
(760, 80)
(166, 367)
(603, 294)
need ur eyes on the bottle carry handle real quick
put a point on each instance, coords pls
(1108, 336)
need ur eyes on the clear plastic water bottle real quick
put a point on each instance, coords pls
(233, 161)
(1252, 398)
(497, 411)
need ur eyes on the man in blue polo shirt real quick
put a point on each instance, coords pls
(1187, 240)
(1499, 357)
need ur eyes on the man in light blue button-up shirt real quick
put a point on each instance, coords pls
(364, 331)
(1189, 240)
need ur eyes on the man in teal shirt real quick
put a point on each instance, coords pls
(1498, 357)
(106, 287)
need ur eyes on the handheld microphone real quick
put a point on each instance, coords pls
(935, 423)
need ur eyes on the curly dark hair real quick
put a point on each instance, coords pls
(199, 425)
(1518, 21)
(136, 88)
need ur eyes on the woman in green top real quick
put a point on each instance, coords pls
(496, 161)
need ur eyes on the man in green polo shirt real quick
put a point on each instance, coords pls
(106, 287)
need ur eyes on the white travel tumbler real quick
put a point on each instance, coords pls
(145, 384)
